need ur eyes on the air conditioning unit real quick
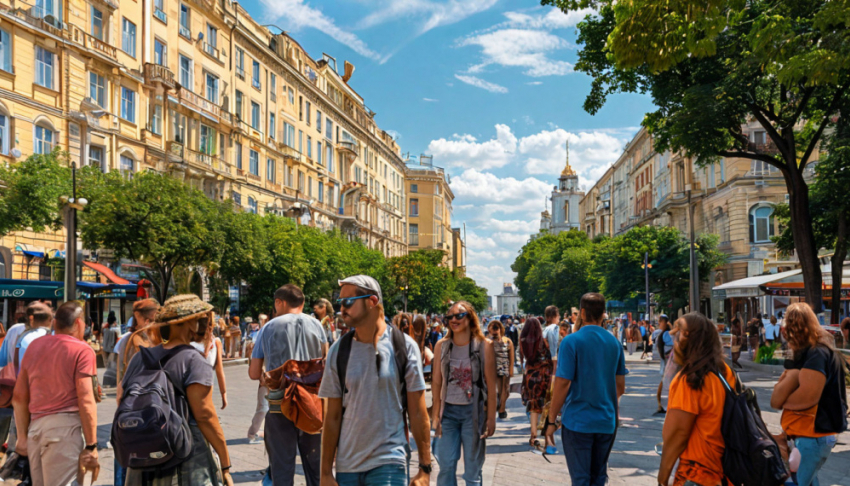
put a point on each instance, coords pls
(51, 20)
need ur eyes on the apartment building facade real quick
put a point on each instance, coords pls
(429, 200)
(200, 90)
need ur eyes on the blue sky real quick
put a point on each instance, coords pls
(485, 86)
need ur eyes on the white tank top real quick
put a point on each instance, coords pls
(211, 356)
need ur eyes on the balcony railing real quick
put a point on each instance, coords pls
(204, 104)
(211, 50)
(255, 82)
(414, 239)
(201, 159)
(347, 146)
(160, 15)
(185, 32)
(240, 73)
(764, 148)
(92, 43)
(155, 73)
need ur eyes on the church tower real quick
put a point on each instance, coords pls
(565, 199)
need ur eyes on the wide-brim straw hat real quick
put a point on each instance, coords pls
(181, 308)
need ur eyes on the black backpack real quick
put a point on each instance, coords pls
(151, 425)
(399, 352)
(751, 456)
(662, 348)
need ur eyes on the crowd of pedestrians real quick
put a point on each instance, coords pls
(345, 389)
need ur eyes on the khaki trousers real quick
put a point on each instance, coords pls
(54, 443)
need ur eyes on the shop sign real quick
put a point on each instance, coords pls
(744, 292)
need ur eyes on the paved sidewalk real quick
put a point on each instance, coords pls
(509, 460)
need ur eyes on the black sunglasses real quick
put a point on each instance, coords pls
(348, 302)
(458, 316)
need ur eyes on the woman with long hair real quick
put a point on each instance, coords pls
(753, 332)
(235, 340)
(464, 413)
(324, 311)
(538, 373)
(210, 349)
(419, 333)
(503, 348)
(811, 393)
(695, 408)
(735, 344)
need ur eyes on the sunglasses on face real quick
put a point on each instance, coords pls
(458, 316)
(348, 302)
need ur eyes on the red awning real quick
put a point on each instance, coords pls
(106, 272)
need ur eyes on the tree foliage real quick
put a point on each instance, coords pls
(712, 68)
(30, 191)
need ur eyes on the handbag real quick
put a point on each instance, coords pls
(294, 392)
(8, 378)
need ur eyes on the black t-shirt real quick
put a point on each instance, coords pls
(831, 415)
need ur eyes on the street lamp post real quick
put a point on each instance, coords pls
(694, 287)
(646, 267)
(71, 205)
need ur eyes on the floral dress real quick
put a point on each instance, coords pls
(502, 348)
(535, 383)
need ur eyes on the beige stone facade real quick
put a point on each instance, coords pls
(202, 91)
(429, 213)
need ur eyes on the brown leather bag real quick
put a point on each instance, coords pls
(294, 392)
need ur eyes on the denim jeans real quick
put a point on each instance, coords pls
(813, 454)
(587, 456)
(458, 430)
(387, 475)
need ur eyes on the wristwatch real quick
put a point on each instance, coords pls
(426, 468)
(91, 447)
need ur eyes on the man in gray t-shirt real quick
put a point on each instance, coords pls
(369, 441)
(291, 335)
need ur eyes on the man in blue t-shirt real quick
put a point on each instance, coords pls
(590, 379)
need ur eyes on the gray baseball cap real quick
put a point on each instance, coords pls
(366, 283)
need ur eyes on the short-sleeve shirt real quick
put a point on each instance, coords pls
(27, 337)
(53, 364)
(552, 333)
(828, 415)
(705, 445)
(7, 350)
(184, 368)
(591, 358)
(290, 336)
(372, 433)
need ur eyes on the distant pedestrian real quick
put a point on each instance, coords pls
(695, 410)
(633, 337)
(435, 336)
(419, 333)
(504, 350)
(812, 394)
(664, 345)
(736, 340)
(552, 332)
(110, 334)
(538, 375)
(144, 315)
(512, 333)
(367, 392)
(464, 413)
(292, 335)
(591, 377)
(210, 349)
(42, 317)
(55, 406)
(234, 342)
(324, 311)
(753, 334)
(771, 331)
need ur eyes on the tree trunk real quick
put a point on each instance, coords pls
(804, 237)
(838, 265)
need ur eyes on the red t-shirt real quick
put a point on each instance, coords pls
(53, 365)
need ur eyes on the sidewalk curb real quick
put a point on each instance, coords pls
(753, 366)
(234, 362)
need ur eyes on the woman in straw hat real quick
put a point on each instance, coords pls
(192, 377)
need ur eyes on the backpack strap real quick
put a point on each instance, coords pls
(400, 355)
(342, 356)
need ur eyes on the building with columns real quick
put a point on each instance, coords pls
(566, 199)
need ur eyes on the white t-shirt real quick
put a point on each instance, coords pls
(552, 334)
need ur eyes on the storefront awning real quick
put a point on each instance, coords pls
(749, 287)
(35, 254)
(46, 289)
(106, 272)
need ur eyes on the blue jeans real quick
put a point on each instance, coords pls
(587, 456)
(458, 430)
(813, 454)
(387, 475)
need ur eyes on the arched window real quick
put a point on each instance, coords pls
(127, 162)
(761, 224)
(45, 136)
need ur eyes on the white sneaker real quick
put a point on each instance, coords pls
(256, 439)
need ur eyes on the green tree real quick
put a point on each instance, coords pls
(830, 208)
(465, 288)
(427, 282)
(30, 191)
(151, 218)
(712, 68)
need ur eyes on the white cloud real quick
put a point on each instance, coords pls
(466, 151)
(299, 14)
(534, 83)
(430, 100)
(553, 19)
(528, 120)
(512, 226)
(435, 14)
(491, 194)
(480, 83)
(522, 48)
(491, 277)
(475, 242)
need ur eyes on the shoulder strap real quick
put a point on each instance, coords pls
(400, 354)
(343, 354)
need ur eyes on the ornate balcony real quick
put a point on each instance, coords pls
(348, 147)
(154, 73)
(206, 161)
(92, 43)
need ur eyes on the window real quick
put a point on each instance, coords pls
(156, 119)
(255, 116)
(414, 188)
(212, 88)
(96, 156)
(43, 67)
(300, 108)
(761, 224)
(97, 89)
(321, 196)
(722, 170)
(207, 142)
(128, 104)
(159, 10)
(43, 140)
(5, 51)
(414, 207)
(254, 162)
(414, 235)
(318, 121)
(289, 135)
(179, 127)
(309, 186)
(300, 181)
(329, 157)
(271, 129)
(309, 147)
(185, 22)
(212, 40)
(186, 73)
(273, 86)
(128, 37)
(300, 141)
(127, 165)
(252, 205)
(255, 76)
(329, 128)
(240, 63)
(291, 96)
(159, 53)
(308, 112)
(319, 152)
(4, 134)
(237, 199)
(96, 23)
(238, 149)
(270, 170)
(239, 104)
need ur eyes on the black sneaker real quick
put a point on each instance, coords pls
(503, 415)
